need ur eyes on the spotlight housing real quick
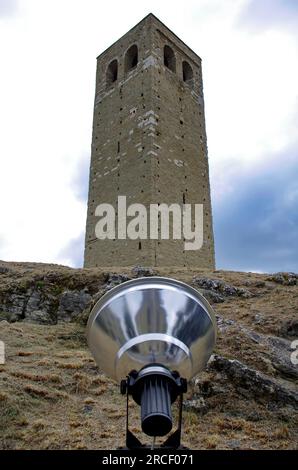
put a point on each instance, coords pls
(151, 335)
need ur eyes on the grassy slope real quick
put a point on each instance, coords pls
(52, 395)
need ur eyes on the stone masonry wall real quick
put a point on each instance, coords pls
(149, 143)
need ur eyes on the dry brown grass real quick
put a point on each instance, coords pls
(52, 396)
(55, 398)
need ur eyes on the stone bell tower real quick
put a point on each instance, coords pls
(148, 144)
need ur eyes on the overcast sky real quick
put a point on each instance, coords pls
(249, 50)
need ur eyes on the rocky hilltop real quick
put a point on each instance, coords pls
(52, 395)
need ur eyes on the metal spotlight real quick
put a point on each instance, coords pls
(151, 335)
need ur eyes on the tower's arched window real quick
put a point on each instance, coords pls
(131, 58)
(169, 58)
(187, 73)
(112, 72)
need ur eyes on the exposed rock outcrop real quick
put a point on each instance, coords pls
(254, 384)
(217, 290)
(286, 279)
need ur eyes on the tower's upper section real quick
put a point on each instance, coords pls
(149, 43)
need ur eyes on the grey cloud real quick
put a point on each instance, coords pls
(256, 225)
(80, 180)
(74, 251)
(8, 8)
(261, 15)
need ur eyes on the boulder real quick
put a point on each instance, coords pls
(141, 271)
(286, 279)
(254, 384)
(73, 303)
(221, 288)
